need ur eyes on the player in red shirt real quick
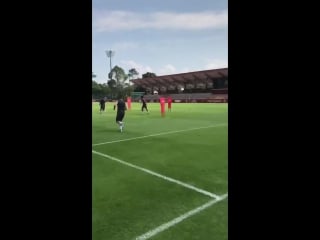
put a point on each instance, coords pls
(169, 103)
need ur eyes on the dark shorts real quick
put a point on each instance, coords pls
(120, 116)
(102, 107)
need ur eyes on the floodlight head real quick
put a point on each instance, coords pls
(110, 53)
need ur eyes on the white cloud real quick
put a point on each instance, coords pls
(184, 70)
(128, 64)
(124, 46)
(107, 21)
(216, 63)
(166, 70)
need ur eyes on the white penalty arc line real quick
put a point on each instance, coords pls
(158, 134)
(212, 195)
(179, 219)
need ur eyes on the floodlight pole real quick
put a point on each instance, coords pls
(110, 54)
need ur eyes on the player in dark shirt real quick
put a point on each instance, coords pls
(102, 104)
(121, 108)
(144, 104)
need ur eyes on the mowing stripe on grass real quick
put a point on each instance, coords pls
(179, 219)
(159, 175)
(158, 134)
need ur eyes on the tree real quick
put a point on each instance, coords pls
(117, 81)
(97, 90)
(132, 72)
(112, 86)
(118, 74)
(128, 91)
(148, 74)
(106, 90)
(100, 90)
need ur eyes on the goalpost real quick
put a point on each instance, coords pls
(136, 95)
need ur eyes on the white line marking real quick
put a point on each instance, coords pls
(158, 134)
(179, 219)
(212, 195)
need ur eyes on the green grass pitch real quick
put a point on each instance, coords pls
(189, 145)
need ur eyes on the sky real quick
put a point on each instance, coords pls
(159, 36)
